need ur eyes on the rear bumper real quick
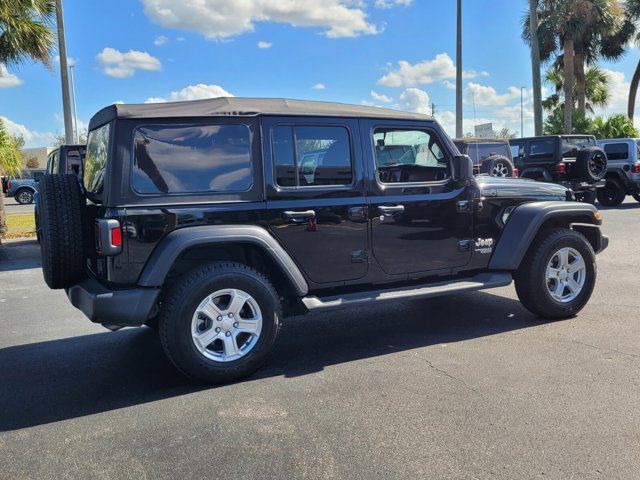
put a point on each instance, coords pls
(120, 308)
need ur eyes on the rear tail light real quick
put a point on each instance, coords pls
(8, 185)
(636, 168)
(516, 172)
(108, 237)
(561, 168)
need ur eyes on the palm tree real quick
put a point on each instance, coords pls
(596, 88)
(633, 13)
(25, 34)
(583, 30)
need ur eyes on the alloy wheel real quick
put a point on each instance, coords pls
(565, 275)
(499, 170)
(226, 325)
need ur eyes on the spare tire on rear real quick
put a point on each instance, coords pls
(591, 164)
(63, 223)
(497, 166)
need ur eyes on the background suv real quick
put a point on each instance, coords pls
(623, 171)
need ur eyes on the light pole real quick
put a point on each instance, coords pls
(459, 133)
(64, 78)
(75, 105)
(521, 112)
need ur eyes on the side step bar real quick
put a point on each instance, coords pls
(481, 281)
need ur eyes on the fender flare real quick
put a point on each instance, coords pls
(22, 187)
(617, 173)
(525, 222)
(177, 241)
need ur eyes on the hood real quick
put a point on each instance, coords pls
(521, 188)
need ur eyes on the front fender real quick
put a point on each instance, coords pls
(176, 242)
(525, 223)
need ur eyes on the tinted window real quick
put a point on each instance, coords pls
(37, 176)
(408, 156)
(542, 150)
(191, 159)
(96, 161)
(480, 151)
(312, 155)
(617, 151)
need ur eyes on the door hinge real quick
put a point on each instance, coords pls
(359, 256)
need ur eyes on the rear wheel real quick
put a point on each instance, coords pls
(591, 164)
(497, 166)
(558, 274)
(636, 195)
(24, 196)
(612, 194)
(587, 196)
(219, 323)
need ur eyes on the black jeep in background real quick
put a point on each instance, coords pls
(570, 160)
(215, 219)
(490, 156)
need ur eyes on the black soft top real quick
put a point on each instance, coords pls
(246, 107)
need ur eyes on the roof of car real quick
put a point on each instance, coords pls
(544, 137)
(480, 140)
(246, 107)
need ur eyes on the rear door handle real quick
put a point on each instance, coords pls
(297, 216)
(390, 210)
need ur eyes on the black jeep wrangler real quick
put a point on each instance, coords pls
(215, 219)
(570, 160)
(490, 156)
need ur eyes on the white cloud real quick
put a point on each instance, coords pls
(32, 138)
(319, 86)
(449, 84)
(415, 100)
(216, 19)
(427, 71)
(392, 3)
(161, 40)
(485, 95)
(264, 44)
(381, 97)
(193, 92)
(7, 79)
(180, 39)
(122, 65)
(71, 62)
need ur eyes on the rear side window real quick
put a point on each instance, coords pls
(617, 151)
(312, 155)
(542, 150)
(96, 161)
(191, 159)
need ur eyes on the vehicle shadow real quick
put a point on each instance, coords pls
(19, 255)
(623, 206)
(72, 377)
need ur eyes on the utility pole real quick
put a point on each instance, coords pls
(459, 73)
(535, 67)
(76, 132)
(64, 77)
(521, 112)
(433, 109)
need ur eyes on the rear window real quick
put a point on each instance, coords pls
(542, 150)
(96, 160)
(191, 159)
(481, 151)
(617, 151)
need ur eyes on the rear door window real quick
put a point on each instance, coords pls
(617, 151)
(96, 161)
(191, 159)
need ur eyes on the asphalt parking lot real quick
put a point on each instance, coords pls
(14, 207)
(471, 386)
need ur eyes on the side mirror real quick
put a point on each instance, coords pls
(462, 167)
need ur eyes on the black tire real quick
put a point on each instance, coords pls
(591, 164)
(586, 196)
(24, 196)
(636, 196)
(62, 226)
(612, 194)
(497, 166)
(530, 278)
(179, 307)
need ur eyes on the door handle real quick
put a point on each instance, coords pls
(299, 216)
(390, 210)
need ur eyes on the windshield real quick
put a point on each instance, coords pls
(96, 159)
(570, 145)
(480, 151)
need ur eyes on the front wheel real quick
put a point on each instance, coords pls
(219, 323)
(636, 196)
(612, 194)
(557, 276)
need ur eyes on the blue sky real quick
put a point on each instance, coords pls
(394, 53)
